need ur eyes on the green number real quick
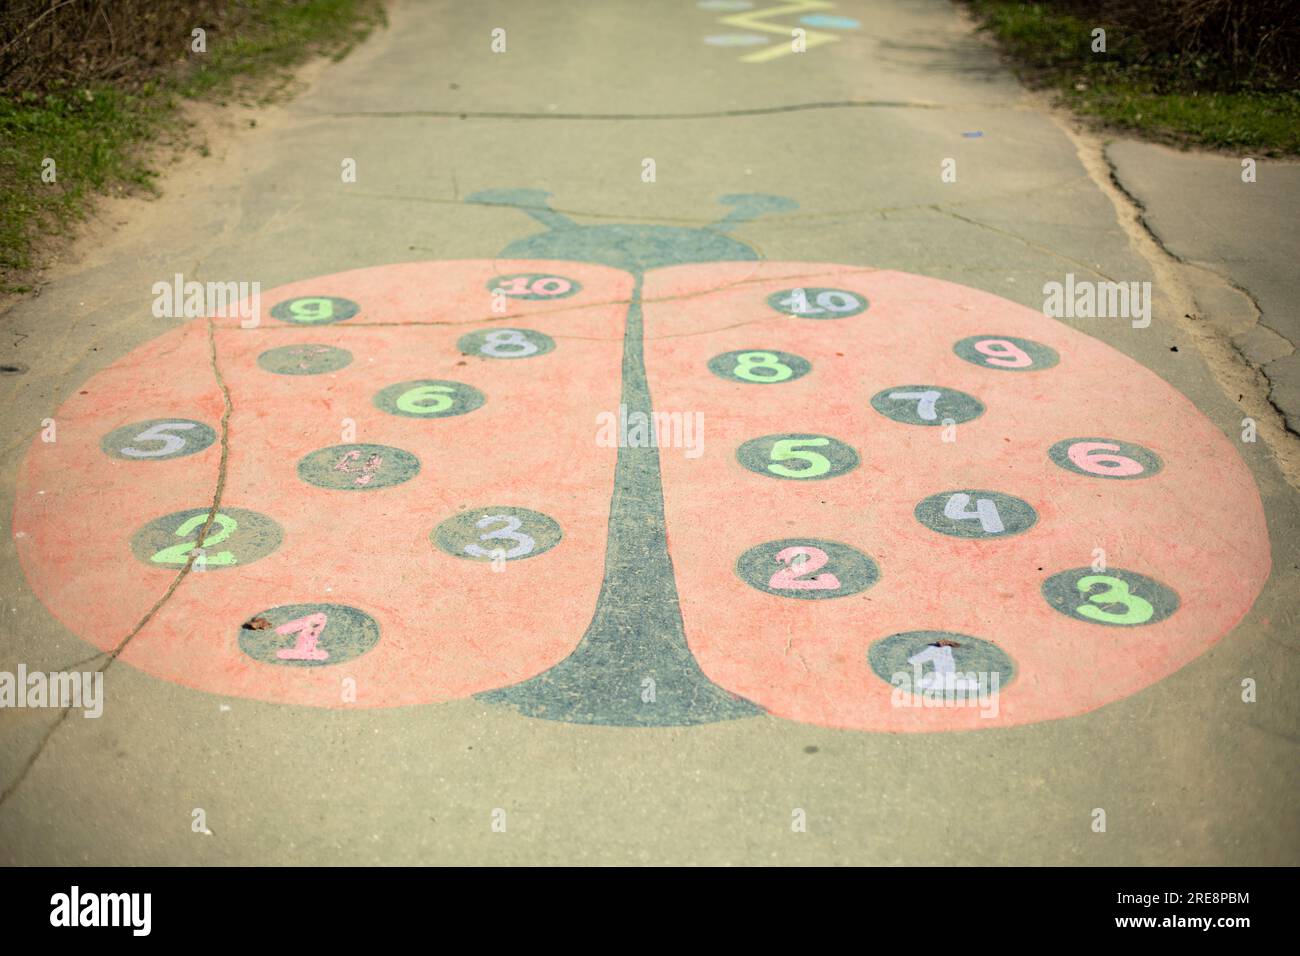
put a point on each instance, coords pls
(1137, 611)
(312, 310)
(179, 553)
(748, 362)
(415, 401)
(786, 449)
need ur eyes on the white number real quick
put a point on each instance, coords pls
(944, 676)
(838, 301)
(171, 443)
(508, 343)
(511, 531)
(924, 402)
(986, 512)
(832, 301)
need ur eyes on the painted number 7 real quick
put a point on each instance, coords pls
(924, 403)
(787, 449)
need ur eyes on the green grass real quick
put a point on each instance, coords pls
(1169, 100)
(102, 137)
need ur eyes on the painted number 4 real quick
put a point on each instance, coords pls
(985, 512)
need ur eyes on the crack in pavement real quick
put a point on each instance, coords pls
(112, 656)
(1225, 362)
(622, 117)
(1030, 243)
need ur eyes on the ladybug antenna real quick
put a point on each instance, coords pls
(750, 206)
(531, 201)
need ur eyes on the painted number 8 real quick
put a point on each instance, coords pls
(507, 343)
(761, 367)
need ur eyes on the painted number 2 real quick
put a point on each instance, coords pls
(524, 543)
(179, 553)
(801, 561)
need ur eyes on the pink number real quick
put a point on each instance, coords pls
(1005, 355)
(791, 577)
(308, 630)
(368, 469)
(1083, 454)
(516, 286)
(552, 285)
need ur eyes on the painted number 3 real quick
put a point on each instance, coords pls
(1136, 610)
(524, 543)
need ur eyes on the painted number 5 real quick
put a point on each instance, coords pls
(158, 433)
(787, 449)
(524, 543)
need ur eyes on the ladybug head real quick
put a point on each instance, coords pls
(634, 247)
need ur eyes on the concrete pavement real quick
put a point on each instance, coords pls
(856, 131)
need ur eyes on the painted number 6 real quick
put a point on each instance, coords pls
(1098, 458)
(417, 400)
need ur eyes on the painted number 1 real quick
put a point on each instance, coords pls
(309, 630)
